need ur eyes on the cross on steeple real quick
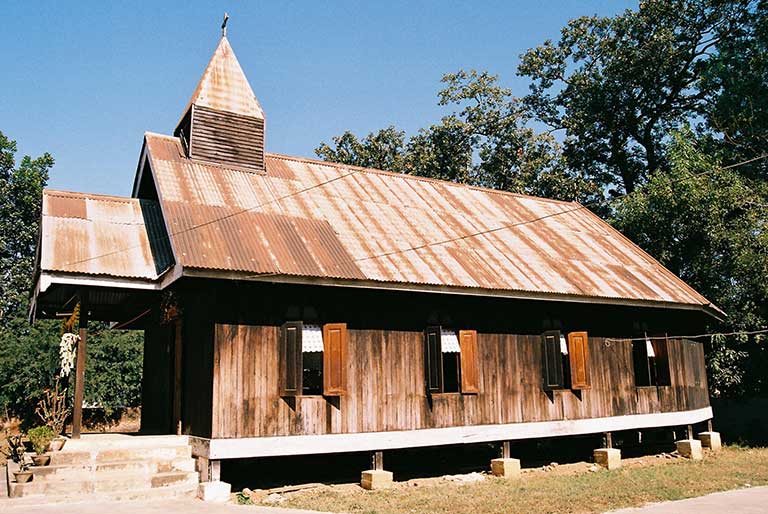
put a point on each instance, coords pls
(224, 25)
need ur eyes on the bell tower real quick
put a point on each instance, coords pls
(223, 121)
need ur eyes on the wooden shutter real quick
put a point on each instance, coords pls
(640, 363)
(578, 353)
(290, 361)
(662, 361)
(552, 360)
(470, 379)
(335, 359)
(433, 360)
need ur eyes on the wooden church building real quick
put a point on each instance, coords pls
(293, 306)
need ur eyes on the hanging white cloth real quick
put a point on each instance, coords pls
(563, 345)
(312, 338)
(449, 341)
(649, 347)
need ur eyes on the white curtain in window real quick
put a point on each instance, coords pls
(312, 338)
(649, 348)
(449, 341)
(563, 345)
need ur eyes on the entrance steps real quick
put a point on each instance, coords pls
(112, 466)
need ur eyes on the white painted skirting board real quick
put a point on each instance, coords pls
(369, 441)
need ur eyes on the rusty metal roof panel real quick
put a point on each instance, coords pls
(224, 85)
(98, 235)
(318, 219)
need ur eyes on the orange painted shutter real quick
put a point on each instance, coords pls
(291, 365)
(578, 351)
(335, 359)
(470, 378)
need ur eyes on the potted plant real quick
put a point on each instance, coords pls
(15, 452)
(52, 407)
(41, 438)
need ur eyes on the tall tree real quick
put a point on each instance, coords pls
(21, 190)
(617, 86)
(737, 76)
(383, 150)
(707, 224)
(483, 141)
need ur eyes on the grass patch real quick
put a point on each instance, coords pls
(731, 468)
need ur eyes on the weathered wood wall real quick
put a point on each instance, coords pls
(386, 386)
(230, 360)
(229, 138)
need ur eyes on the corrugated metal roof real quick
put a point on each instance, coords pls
(100, 235)
(316, 219)
(224, 86)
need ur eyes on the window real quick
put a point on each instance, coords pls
(565, 363)
(650, 360)
(312, 359)
(451, 361)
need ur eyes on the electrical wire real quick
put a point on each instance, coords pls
(697, 336)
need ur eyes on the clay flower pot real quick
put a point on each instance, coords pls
(57, 444)
(41, 460)
(22, 477)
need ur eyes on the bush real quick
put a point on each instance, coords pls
(40, 437)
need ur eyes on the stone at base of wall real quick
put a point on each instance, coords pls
(609, 458)
(214, 491)
(710, 440)
(689, 448)
(375, 479)
(507, 468)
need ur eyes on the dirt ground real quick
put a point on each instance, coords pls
(579, 487)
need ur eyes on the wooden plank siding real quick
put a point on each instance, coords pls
(227, 138)
(386, 390)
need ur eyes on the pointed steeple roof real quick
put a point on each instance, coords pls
(224, 86)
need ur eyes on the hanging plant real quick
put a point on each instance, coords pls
(170, 308)
(67, 352)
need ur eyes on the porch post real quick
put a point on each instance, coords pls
(77, 408)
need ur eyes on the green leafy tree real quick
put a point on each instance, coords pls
(29, 353)
(738, 108)
(21, 190)
(483, 141)
(114, 368)
(617, 86)
(707, 224)
(383, 150)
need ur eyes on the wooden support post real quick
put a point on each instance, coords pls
(377, 460)
(608, 440)
(709, 425)
(505, 450)
(77, 408)
(690, 431)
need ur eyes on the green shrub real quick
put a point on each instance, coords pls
(40, 437)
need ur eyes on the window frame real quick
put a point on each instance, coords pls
(656, 370)
(557, 368)
(434, 363)
(291, 359)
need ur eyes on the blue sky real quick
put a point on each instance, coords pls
(84, 80)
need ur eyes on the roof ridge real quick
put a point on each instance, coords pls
(100, 196)
(414, 177)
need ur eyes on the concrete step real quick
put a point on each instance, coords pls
(108, 455)
(135, 466)
(93, 442)
(173, 491)
(116, 484)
